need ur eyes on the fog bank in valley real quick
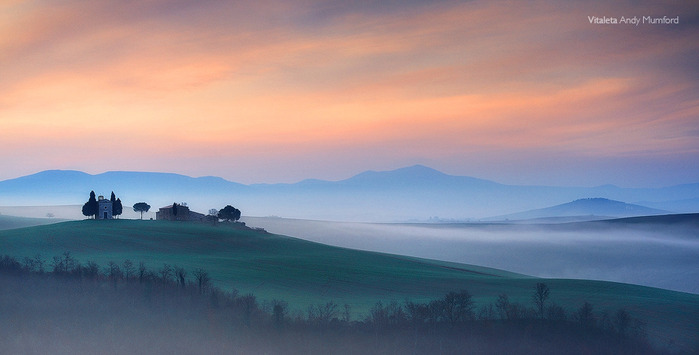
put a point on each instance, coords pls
(660, 256)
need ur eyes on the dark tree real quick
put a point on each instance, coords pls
(165, 273)
(142, 271)
(91, 270)
(174, 209)
(86, 209)
(212, 216)
(347, 313)
(458, 307)
(248, 304)
(65, 264)
(622, 322)
(141, 207)
(39, 263)
(28, 264)
(113, 272)
(69, 262)
(229, 213)
(585, 316)
(417, 313)
(117, 208)
(91, 207)
(202, 278)
(383, 317)
(556, 313)
(503, 306)
(129, 270)
(541, 294)
(279, 311)
(323, 314)
(180, 275)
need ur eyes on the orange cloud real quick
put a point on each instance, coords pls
(277, 78)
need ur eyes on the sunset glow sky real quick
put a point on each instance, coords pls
(279, 91)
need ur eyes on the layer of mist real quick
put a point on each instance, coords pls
(658, 256)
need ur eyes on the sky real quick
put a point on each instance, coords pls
(280, 91)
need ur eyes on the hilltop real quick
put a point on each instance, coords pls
(248, 260)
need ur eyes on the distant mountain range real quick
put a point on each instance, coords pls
(415, 192)
(584, 209)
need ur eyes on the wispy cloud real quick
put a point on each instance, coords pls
(213, 80)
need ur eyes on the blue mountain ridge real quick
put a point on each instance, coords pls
(590, 207)
(415, 192)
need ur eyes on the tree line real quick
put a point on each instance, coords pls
(441, 321)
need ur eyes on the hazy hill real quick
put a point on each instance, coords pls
(417, 177)
(590, 208)
(303, 273)
(681, 206)
(416, 193)
(12, 222)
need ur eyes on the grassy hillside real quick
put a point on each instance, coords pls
(12, 222)
(304, 273)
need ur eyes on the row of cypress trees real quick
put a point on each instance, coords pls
(91, 207)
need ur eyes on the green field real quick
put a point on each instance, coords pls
(12, 222)
(303, 273)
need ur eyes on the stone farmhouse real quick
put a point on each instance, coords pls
(167, 213)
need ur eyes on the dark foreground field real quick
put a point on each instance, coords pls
(305, 276)
(63, 314)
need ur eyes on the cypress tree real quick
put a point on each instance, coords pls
(117, 208)
(91, 207)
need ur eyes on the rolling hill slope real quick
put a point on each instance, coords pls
(304, 273)
(12, 222)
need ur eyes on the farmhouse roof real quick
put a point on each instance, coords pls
(170, 206)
